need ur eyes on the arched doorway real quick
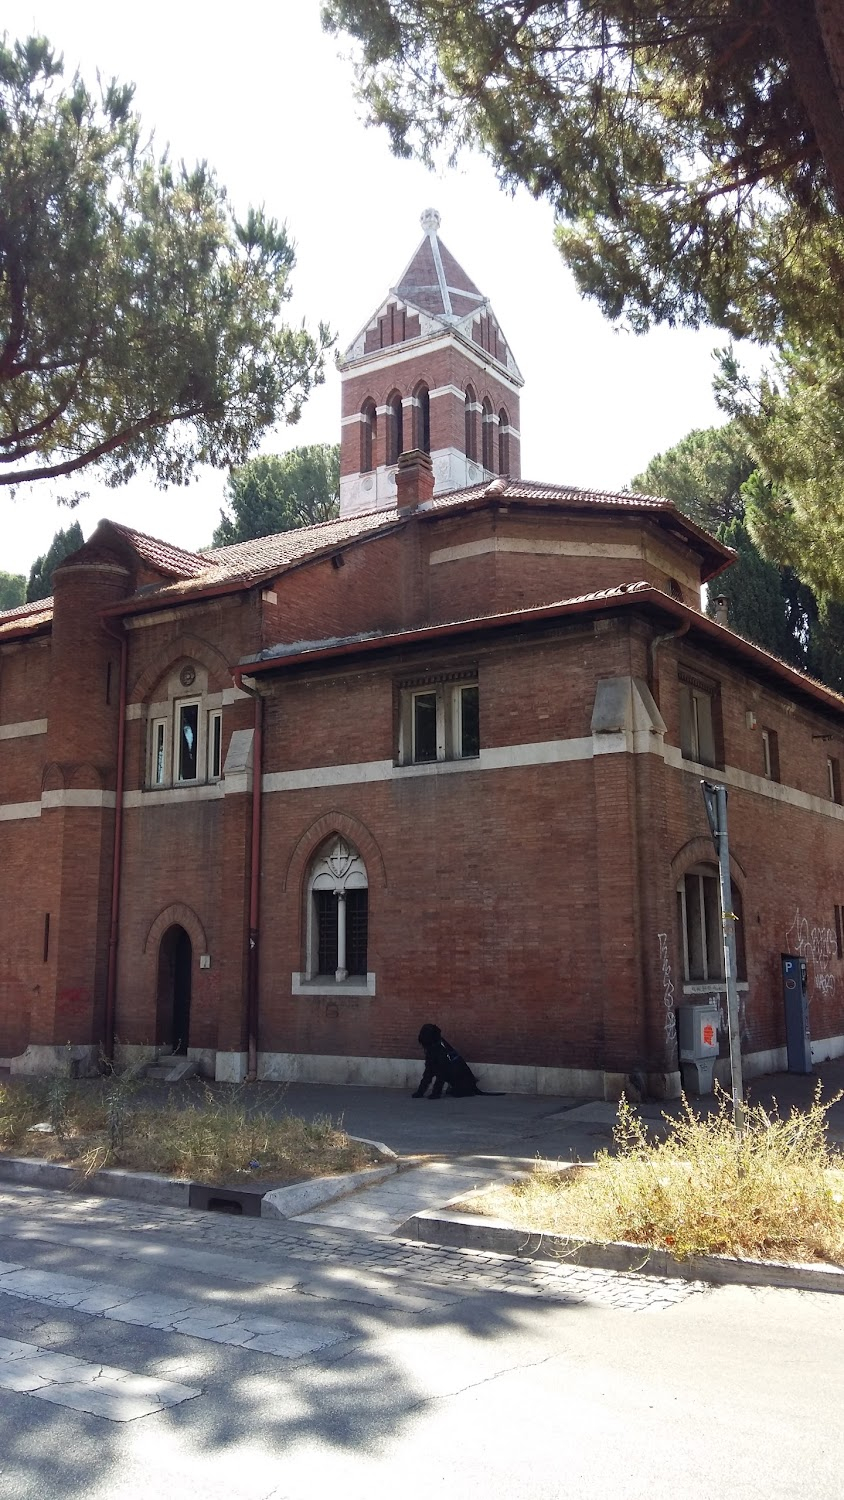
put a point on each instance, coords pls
(175, 956)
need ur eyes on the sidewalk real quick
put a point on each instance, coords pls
(483, 1140)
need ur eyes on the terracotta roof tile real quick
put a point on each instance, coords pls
(26, 616)
(162, 556)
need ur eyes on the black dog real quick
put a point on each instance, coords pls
(444, 1065)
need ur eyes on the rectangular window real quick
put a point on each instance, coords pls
(839, 931)
(425, 726)
(439, 720)
(699, 917)
(703, 948)
(215, 745)
(770, 754)
(833, 778)
(467, 739)
(357, 921)
(697, 722)
(158, 753)
(326, 914)
(187, 741)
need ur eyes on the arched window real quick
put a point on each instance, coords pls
(422, 418)
(367, 436)
(338, 912)
(488, 437)
(471, 420)
(395, 428)
(503, 442)
(699, 921)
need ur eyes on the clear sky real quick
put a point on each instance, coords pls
(265, 97)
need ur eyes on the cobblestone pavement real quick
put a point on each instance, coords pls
(400, 1268)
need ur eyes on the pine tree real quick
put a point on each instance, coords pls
(278, 492)
(40, 585)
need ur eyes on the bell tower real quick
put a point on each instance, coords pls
(431, 370)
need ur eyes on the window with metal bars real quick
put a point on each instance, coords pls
(357, 923)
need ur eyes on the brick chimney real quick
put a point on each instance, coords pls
(414, 479)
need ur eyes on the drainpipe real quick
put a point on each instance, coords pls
(253, 969)
(659, 640)
(119, 634)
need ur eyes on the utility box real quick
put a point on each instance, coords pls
(795, 994)
(698, 1045)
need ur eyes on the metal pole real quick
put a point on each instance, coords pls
(728, 921)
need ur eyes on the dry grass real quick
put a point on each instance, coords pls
(777, 1194)
(216, 1138)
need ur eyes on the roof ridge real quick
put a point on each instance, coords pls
(146, 536)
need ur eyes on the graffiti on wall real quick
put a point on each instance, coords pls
(668, 999)
(819, 947)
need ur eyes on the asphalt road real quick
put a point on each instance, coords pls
(208, 1357)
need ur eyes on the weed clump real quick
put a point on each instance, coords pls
(775, 1193)
(215, 1135)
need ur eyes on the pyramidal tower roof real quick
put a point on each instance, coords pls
(432, 295)
(434, 282)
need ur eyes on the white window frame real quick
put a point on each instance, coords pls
(178, 705)
(337, 867)
(457, 720)
(427, 692)
(695, 697)
(159, 740)
(449, 697)
(215, 731)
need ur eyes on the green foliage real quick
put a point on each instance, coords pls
(795, 425)
(703, 474)
(767, 604)
(825, 653)
(708, 475)
(40, 584)
(693, 154)
(680, 146)
(278, 492)
(12, 590)
(140, 320)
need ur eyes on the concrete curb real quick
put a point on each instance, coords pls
(177, 1192)
(299, 1197)
(112, 1182)
(471, 1232)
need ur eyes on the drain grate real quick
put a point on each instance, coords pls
(216, 1200)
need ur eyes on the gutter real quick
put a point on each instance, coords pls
(626, 596)
(253, 965)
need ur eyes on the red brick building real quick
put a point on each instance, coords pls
(439, 759)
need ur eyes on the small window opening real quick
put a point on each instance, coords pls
(487, 438)
(395, 445)
(367, 437)
(47, 936)
(422, 419)
(215, 744)
(503, 442)
(471, 424)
